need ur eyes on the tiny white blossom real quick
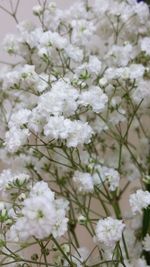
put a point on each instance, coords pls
(10, 44)
(81, 256)
(94, 65)
(37, 10)
(15, 138)
(139, 200)
(75, 132)
(83, 181)
(60, 100)
(109, 231)
(112, 176)
(120, 55)
(19, 117)
(146, 243)
(41, 215)
(49, 39)
(145, 45)
(75, 53)
(41, 188)
(142, 93)
(105, 174)
(95, 98)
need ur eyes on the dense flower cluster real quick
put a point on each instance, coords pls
(40, 216)
(109, 231)
(139, 200)
(74, 137)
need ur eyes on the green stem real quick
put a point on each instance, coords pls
(62, 252)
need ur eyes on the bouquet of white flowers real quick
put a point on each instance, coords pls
(75, 137)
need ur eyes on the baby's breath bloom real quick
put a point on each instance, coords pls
(109, 231)
(83, 181)
(41, 215)
(139, 201)
(146, 243)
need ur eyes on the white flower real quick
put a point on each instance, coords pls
(49, 39)
(142, 11)
(37, 10)
(82, 30)
(82, 219)
(142, 92)
(60, 226)
(23, 77)
(120, 55)
(60, 100)
(19, 117)
(36, 121)
(139, 263)
(15, 138)
(117, 116)
(25, 26)
(101, 6)
(98, 125)
(103, 81)
(105, 174)
(109, 231)
(80, 256)
(80, 134)
(115, 101)
(145, 45)
(75, 132)
(112, 176)
(43, 82)
(114, 73)
(42, 215)
(83, 181)
(75, 53)
(94, 65)
(5, 178)
(58, 127)
(2, 205)
(139, 200)
(95, 98)
(40, 189)
(132, 244)
(10, 44)
(136, 71)
(146, 243)
(8, 181)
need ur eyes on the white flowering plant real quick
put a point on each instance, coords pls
(75, 137)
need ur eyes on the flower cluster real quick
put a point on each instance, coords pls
(108, 232)
(41, 215)
(74, 138)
